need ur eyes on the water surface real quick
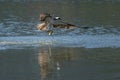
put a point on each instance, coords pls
(60, 63)
(79, 54)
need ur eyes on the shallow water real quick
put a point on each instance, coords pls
(60, 63)
(86, 41)
(79, 54)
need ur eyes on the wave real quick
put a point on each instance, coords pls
(86, 41)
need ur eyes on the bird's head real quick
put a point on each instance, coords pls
(44, 16)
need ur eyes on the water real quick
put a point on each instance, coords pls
(79, 54)
(60, 63)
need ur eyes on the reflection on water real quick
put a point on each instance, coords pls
(76, 63)
(45, 61)
(85, 54)
(59, 63)
(51, 60)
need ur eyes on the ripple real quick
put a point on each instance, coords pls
(87, 41)
(24, 28)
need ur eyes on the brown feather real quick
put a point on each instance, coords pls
(43, 16)
(42, 26)
(67, 26)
